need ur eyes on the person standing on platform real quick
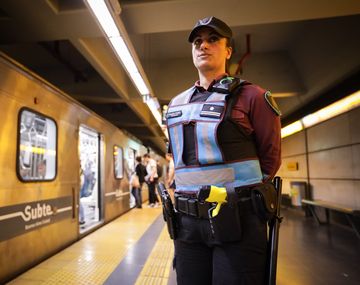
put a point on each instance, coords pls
(224, 132)
(170, 173)
(151, 179)
(140, 171)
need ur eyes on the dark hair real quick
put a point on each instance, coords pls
(146, 155)
(227, 62)
(138, 158)
(228, 42)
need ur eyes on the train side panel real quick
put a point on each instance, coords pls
(39, 218)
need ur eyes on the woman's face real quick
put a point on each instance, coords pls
(210, 51)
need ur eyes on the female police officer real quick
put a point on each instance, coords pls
(225, 132)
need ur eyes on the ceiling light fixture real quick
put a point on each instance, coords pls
(344, 105)
(291, 129)
(115, 35)
(104, 17)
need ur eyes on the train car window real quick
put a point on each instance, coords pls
(37, 146)
(118, 162)
(131, 160)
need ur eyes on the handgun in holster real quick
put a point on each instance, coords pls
(168, 210)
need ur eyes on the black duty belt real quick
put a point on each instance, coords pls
(192, 207)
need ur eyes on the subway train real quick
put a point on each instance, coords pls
(64, 171)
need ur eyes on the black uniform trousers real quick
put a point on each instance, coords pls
(237, 256)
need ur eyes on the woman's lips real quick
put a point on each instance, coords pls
(203, 55)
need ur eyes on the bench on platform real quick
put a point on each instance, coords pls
(349, 212)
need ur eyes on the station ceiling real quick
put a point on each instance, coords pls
(305, 52)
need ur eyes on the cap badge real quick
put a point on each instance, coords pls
(205, 21)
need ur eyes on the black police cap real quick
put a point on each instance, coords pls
(212, 22)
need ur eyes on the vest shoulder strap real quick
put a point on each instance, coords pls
(183, 97)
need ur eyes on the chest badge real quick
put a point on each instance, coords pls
(211, 111)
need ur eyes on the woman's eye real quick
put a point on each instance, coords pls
(213, 39)
(197, 42)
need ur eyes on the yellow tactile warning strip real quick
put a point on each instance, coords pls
(92, 259)
(159, 263)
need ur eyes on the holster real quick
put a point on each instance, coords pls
(171, 223)
(227, 224)
(168, 210)
(264, 200)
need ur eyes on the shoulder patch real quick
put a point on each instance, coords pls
(270, 100)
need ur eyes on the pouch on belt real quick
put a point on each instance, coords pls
(264, 199)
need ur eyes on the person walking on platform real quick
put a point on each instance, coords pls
(151, 178)
(224, 134)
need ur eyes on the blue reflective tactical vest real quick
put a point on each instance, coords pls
(212, 169)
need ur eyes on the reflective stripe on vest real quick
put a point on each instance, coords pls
(236, 174)
(176, 134)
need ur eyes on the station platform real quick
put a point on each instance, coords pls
(136, 249)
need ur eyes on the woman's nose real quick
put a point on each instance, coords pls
(204, 44)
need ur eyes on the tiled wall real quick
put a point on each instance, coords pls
(328, 158)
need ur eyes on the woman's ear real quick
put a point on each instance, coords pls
(229, 52)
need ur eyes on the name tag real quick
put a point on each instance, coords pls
(174, 114)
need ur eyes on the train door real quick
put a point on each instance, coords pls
(131, 170)
(90, 190)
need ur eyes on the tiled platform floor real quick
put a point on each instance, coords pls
(92, 259)
(136, 249)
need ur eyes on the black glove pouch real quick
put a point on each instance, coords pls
(264, 200)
